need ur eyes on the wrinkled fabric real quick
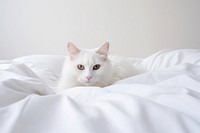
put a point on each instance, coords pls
(165, 99)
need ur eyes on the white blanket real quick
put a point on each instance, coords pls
(166, 99)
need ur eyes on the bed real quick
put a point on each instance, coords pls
(165, 99)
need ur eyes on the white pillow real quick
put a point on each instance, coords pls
(168, 58)
(47, 67)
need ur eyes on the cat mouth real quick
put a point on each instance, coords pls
(87, 83)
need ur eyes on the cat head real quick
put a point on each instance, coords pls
(89, 67)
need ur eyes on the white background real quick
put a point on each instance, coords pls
(134, 28)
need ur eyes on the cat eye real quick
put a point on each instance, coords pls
(96, 67)
(80, 67)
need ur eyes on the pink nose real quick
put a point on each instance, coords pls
(89, 77)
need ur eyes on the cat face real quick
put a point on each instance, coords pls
(90, 66)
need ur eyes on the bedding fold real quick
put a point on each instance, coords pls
(165, 99)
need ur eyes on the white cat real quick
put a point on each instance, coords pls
(93, 68)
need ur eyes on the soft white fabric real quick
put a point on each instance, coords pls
(47, 67)
(166, 99)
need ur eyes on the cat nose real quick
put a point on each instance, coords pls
(89, 77)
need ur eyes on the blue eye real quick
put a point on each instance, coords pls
(96, 67)
(80, 67)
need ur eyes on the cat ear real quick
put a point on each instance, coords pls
(72, 50)
(103, 50)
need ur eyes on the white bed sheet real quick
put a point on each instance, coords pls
(166, 99)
